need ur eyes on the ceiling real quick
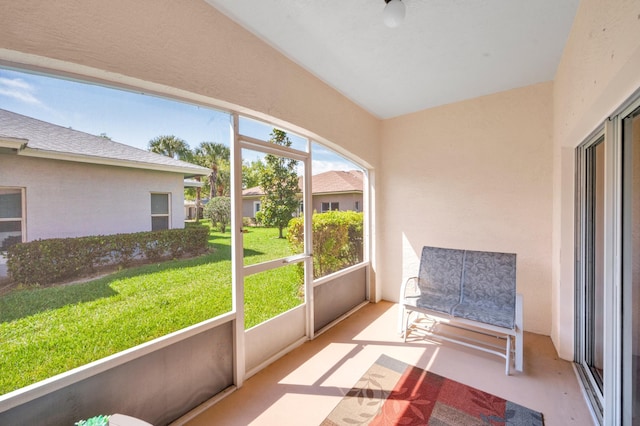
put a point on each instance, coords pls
(444, 51)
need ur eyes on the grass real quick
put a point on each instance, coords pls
(46, 331)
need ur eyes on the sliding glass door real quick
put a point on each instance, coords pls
(590, 267)
(631, 268)
(608, 267)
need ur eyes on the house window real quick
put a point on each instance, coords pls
(159, 212)
(11, 217)
(256, 207)
(330, 206)
(357, 206)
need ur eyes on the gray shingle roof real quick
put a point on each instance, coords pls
(49, 140)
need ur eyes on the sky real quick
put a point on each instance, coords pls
(132, 118)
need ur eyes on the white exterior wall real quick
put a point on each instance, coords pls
(66, 199)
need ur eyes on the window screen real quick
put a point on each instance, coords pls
(159, 211)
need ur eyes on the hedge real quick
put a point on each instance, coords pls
(337, 240)
(57, 259)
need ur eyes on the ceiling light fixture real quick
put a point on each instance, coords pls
(393, 13)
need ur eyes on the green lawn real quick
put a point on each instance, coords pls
(47, 331)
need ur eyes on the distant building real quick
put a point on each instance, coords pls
(333, 190)
(58, 182)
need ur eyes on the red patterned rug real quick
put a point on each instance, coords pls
(394, 393)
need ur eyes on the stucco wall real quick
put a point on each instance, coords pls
(474, 175)
(247, 206)
(345, 201)
(598, 71)
(65, 199)
(174, 46)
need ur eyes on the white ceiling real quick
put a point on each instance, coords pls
(445, 50)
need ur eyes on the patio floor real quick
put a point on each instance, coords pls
(304, 386)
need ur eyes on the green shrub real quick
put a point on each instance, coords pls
(218, 210)
(57, 259)
(259, 218)
(94, 421)
(337, 240)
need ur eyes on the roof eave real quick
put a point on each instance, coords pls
(79, 158)
(354, 191)
(193, 184)
(13, 143)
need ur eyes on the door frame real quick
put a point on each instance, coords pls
(239, 269)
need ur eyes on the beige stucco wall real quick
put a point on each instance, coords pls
(66, 199)
(175, 46)
(598, 71)
(475, 175)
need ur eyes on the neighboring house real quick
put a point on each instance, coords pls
(190, 205)
(59, 182)
(333, 190)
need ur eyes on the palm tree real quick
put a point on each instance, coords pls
(170, 146)
(176, 148)
(212, 155)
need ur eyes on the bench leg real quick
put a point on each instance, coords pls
(519, 350)
(401, 314)
(509, 349)
(405, 332)
(519, 334)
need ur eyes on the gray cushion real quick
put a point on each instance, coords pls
(475, 285)
(439, 278)
(489, 277)
(488, 313)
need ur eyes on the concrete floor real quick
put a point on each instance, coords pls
(304, 386)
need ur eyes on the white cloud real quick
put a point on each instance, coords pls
(20, 90)
(319, 166)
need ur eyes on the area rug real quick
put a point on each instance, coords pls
(394, 393)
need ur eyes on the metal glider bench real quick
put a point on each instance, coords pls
(472, 291)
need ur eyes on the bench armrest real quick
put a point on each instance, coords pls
(409, 289)
(403, 297)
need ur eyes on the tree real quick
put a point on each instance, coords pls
(279, 181)
(223, 184)
(251, 172)
(212, 155)
(218, 210)
(170, 146)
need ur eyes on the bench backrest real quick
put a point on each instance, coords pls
(489, 276)
(450, 279)
(441, 274)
